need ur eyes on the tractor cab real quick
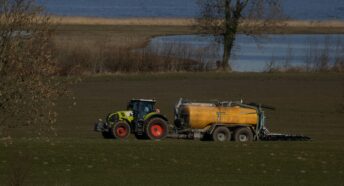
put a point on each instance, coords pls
(141, 107)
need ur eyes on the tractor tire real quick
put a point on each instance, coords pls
(156, 129)
(121, 130)
(243, 134)
(221, 134)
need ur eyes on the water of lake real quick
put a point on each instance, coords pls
(252, 54)
(297, 9)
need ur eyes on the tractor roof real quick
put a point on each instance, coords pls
(144, 100)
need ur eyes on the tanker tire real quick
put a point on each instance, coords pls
(243, 134)
(121, 130)
(156, 129)
(221, 134)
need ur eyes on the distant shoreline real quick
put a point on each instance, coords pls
(292, 26)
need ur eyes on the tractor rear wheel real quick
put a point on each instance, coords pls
(243, 134)
(157, 129)
(221, 134)
(121, 130)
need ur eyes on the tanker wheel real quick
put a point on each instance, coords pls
(156, 129)
(221, 134)
(243, 134)
(121, 130)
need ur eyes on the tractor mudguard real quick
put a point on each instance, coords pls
(153, 115)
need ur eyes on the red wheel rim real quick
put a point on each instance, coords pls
(156, 130)
(121, 131)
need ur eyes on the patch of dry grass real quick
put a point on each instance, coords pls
(314, 27)
(329, 23)
(124, 21)
(172, 21)
(291, 26)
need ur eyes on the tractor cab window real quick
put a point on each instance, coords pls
(147, 107)
(135, 106)
(142, 108)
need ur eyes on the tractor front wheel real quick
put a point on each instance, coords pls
(121, 130)
(156, 129)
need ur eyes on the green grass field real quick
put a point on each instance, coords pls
(309, 104)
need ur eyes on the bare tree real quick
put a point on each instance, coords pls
(222, 18)
(28, 85)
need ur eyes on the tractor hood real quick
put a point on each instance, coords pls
(120, 116)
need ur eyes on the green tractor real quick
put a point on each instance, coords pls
(141, 118)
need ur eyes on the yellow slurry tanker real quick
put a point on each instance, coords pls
(223, 121)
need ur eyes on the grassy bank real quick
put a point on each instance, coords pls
(309, 104)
